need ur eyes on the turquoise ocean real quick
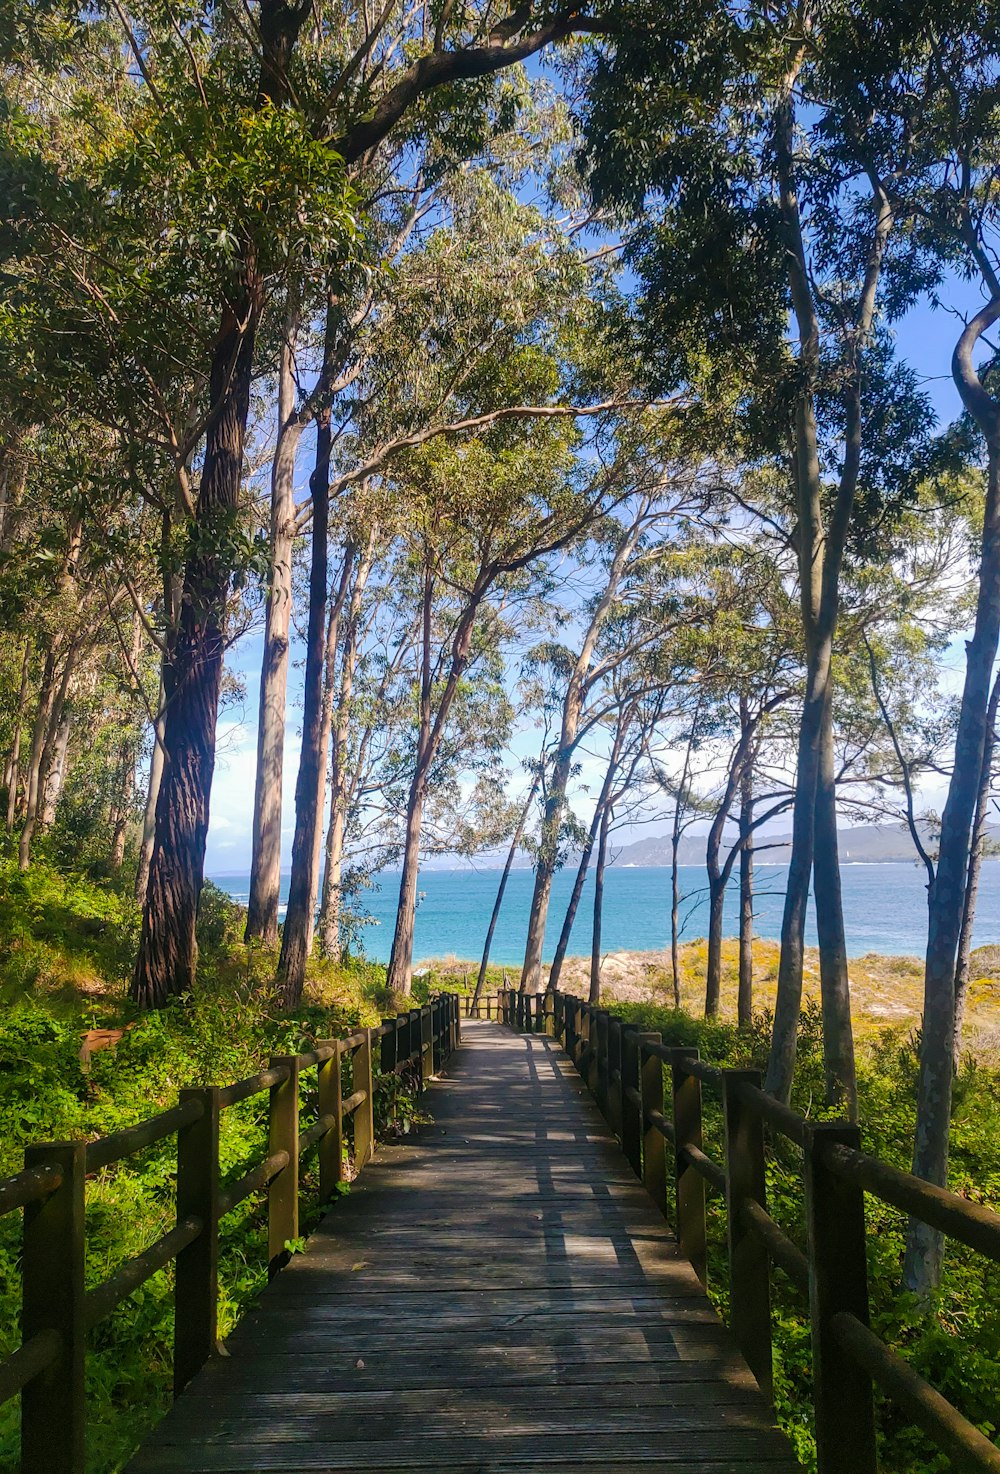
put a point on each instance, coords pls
(885, 909)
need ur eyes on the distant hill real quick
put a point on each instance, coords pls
(861, 844)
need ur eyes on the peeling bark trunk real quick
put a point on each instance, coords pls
(152, 794)
(121, 810)
(43, 712)
(55, 774)
(925, 1247)
(511, 853)
(265, 857)
(838, 1037)
(399, 978)
(330, 905)
(595, 950)
(975, 870)
(12, 777)
(296, 934)
(744, 1000)
(168, 952)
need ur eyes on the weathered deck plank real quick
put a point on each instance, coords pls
(498, 1294)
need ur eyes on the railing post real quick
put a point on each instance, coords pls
(749, 1261)
(838, 1281)
(196, 1280)
(53, 1408)
(364, 1115)
(654, 1147)
(413, 1045)
(586, 1015)
(283, 1189)
(613, 1110)
(331, 1146)
(631, 1114)
(387, 1049)
(599, 1067)
(426, 1043)
(437, 1029)
(689, 1185)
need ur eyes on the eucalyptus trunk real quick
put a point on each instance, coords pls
(508, 866)
(835, 991)
(925, 1246)
(979, 835)
(265, 852)
(595, 950)
(12, 776)
(744, 997)
(153, 782)
(296, 933)
(43, 712)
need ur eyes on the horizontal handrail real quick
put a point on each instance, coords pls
(954, 1215)
(785, 1253)
(316, 1132)
(108, 1149)
(353, 1101)
(102, 1300)
(960, 1439)
(252, 1181)
(231, 1095)
(788, 1122)
(28, 1186)
(703, 1165)
(27, 1362)
(317, 1056)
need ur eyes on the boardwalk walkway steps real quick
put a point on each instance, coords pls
(498, 1294)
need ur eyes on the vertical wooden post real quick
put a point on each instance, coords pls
(196, 1281)
(283, 1189)
(749, 1261)
(631, 1114)
(426, 1043)
(52, 1404)
(838, 1280)
(654, 1147)
(586, 1016)
(613, 1110)
(437, 1029)
(364, 1115)
(599, 1065)
(413, 1049)
(331, 1146)
(689, 1186)
(387, 1050)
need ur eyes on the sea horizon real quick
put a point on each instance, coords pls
(884, 914)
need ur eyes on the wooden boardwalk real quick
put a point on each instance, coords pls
(499, 1294)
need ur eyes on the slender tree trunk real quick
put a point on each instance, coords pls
(511, 853)
(835, 990)
(297, 931)
(744, 999)
(925, 1247)
(713, 970)
(265, 856)
(331, 902)
(545, 868)
(975, 870)
(168, 952)
(595, 950)
(152, 794)
(55, 774)
(46, 696)
(123, 803)
(562, 946)
(12, 777)
(399, 977)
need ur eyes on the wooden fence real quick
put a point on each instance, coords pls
(624, 1071)
(58, 1311)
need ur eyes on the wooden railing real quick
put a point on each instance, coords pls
(624, 1071)
(487, 1005)
(58, 1311)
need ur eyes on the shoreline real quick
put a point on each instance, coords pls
(886, 989)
